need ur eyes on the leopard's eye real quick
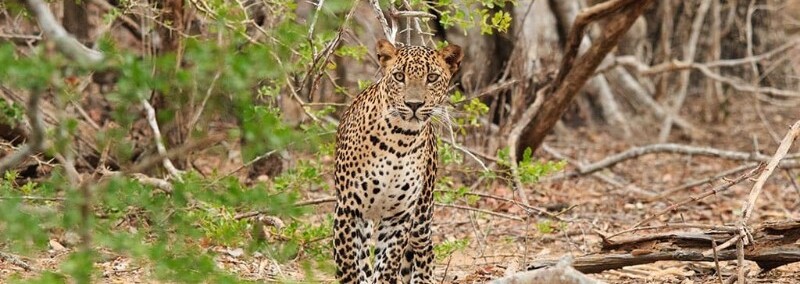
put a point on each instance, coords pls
(399, 76)
(432, 78)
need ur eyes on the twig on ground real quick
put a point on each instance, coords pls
(36, 141)
(716, 260)
(155, 182)
(673, 149)
(13, 259)
(333, 199)
(735, 277)
(713, 191)
(673, 226)
(529, 208)
(299, 204)
(506, 216)
(671, 191)
(612, 180)
(724, 245)
(34, 198)
(740, 260)
(150, 115)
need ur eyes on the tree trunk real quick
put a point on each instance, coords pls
(75, 20)
(574, 72)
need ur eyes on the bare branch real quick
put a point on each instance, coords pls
(162, 150)
(65, 43)
(636, 152)
(783, 149)
(688, 56)
(37, 134)
(389, 32)
(713, 191)
(676, 65)
(513, 141)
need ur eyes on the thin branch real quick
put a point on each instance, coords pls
(690, 184)
(688, 56)
(33, 198)
(36, 141)
(501, 215)
(676, 65)
(455, 144)
(514, 137)
(154, 182)
(314, 21)
(783, 149)
(389, 32)
(636, 152)
(162, 150)
(716, 260)
(530, 209)
(711, 192)
(333, 199)
(413, 14)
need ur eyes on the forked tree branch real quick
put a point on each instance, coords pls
(574, 71)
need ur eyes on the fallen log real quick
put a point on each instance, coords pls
(774, 245)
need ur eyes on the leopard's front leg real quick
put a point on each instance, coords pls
(390, 248)
(351, 252)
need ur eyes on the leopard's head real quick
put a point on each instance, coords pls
(416, 78)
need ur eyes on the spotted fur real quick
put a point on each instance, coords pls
(386, 160)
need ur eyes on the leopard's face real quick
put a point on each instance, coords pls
(416, 79)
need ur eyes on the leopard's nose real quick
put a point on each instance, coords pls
(414, 105)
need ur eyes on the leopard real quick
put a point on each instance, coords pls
(386, 165)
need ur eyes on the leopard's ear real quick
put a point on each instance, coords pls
(386, 54)
(452, 55)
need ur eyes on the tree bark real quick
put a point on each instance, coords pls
(75, 20)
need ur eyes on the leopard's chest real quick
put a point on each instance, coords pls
(392, 185)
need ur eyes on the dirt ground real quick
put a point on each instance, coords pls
(499, 246)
